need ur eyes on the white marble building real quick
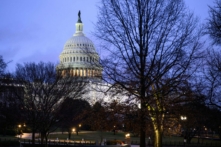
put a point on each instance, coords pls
(80, 57)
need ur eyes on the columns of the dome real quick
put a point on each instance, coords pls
(84, 73)
(92, 72)
(70, 72)
(81, 73)
(89, 72)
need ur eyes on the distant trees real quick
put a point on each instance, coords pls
(153, 48)
(45, 90)
(72, 113)
(2, 66)
(98, 119)
(214, 22)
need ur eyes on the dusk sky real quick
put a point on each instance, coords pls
(36, 30)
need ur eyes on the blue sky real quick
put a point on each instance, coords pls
(36, 30)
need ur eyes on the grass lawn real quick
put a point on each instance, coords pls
(91, 136)
(96, 136)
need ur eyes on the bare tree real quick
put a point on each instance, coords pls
(212, 77)
(152, 47)
(214, 22)
(2, 66)
(45, 89)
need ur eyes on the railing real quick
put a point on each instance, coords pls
(179, 143)
(60, 143)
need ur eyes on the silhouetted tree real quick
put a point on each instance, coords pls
(212, 78)
(214, 121)
(98, 119)
(152, 47)
(214, 22)
(72, 114)
(2, 66)
(10, 104)
(45, 89)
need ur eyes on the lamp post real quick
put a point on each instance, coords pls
(114, 129)
(73, 130)
(184, 118)
(79, 127)
(127, 138)
(19, 131)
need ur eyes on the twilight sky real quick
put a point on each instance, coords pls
(36, 30)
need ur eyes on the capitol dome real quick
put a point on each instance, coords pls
(79, 55)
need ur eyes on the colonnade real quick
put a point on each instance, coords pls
(83, 72)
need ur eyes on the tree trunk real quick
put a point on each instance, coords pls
(43, 136)
(33, 136)
(69, 135)
(142, 127)
(157, 136)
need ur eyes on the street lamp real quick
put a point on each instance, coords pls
(73, 130)
(127, 138)
(184, 118)
(19, 131)
(127, 135)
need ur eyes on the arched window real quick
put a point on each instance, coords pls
(74, 59)
(71, 59)
(80, 58)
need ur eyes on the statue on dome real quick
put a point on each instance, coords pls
(79, 16)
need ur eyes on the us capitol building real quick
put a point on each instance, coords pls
(79, 56)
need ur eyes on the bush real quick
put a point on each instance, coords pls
(114, 142)
(8, 132)
(7, 143)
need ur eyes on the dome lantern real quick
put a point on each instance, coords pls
(79, 26)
